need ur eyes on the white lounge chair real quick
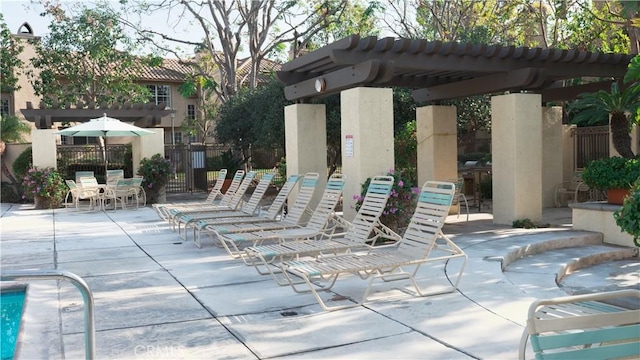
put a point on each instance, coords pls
(215, 192)
(166, 211)
(232, 206)
(227, 204)
(362, 233)
(271, 214)
(248, 209)
(422, 237)
(318, 224)
(584, 327)
(296, 215)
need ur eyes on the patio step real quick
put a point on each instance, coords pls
(579, 263)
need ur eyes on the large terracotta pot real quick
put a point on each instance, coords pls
(616, 196)
(45, 202)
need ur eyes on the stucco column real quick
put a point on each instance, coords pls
(43, 148)
(436, 134)
(552, 153)
(305, 135)
(367, 139)
(516, 126)
(146, 146)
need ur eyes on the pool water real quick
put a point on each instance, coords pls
(11, 303)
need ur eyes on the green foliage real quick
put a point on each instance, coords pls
(44, 182)
(22, 163)
(401, 203)
(12, 129)
(486, 188)
(405, 147)
(10, 63)
(155, 171)
(628, 217)
(240, 124)
(612, 173)
(621, 106)
(231, 162)
(527, 223)
(87, 58)
(8, 193)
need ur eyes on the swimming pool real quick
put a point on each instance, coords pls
(12, 302)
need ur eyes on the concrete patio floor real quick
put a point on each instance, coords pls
(157, 296)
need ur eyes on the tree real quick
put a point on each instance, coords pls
(10, 63)
(12, 129)
(87, 58)
(621, 106)
(227, 26)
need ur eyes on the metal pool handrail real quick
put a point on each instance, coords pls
(80, 284)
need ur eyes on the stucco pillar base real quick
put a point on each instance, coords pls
(43, 148)
(367, 139)
(306, 143)
(436, 134)
(147, 146)
(516, 139)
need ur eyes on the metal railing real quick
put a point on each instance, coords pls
(80, 284)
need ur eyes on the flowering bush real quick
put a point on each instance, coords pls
(45, 185)
(401, 203)
(155, 172)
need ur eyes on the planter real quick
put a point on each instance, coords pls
(225, 185)
(42, 202)
(616, 196)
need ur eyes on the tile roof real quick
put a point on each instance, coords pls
(171, 70)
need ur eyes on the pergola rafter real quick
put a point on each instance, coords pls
(438, 71)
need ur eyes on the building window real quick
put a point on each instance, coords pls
(5, 110)
(160, 94)
(191, 112)
(177, 137)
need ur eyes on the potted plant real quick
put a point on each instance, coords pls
(155, 172)
(628, 217)
(615, 175)
(45, 186)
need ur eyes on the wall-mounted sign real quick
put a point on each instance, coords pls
(348, 145)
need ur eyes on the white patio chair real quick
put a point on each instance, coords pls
(459, 195)
(422, 238)
(76, 193)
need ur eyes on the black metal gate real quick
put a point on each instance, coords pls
(590, 143)
(196, 166)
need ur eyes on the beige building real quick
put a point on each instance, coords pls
(162, 82)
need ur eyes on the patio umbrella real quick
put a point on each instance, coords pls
(105, 127)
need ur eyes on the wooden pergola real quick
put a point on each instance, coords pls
(438, 71)
(142, 115)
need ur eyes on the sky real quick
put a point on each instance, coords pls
(17, 12)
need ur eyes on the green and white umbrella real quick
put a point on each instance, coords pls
(104, 127)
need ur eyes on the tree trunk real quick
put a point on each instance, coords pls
(620, 135)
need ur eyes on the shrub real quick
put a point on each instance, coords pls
(401, 203)
(46, 183)
(612, 173)
(8, 193)
(628, 217)
(22, 163)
